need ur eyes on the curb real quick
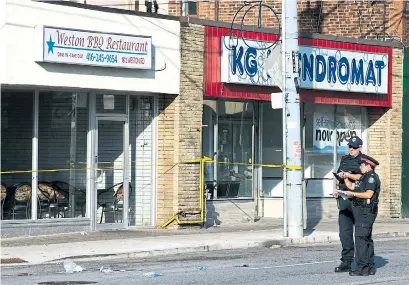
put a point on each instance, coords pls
(323, 239)
(391, 235)
(326, 239)
(302, 241)
(146, 254)
(164, 252)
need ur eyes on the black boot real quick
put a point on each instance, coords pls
(343, 267)
(358, 273)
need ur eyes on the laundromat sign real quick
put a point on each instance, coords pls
(245, 62)
(70, 46)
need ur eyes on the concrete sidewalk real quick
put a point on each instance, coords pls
(140, 243)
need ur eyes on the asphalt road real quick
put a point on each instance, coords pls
(287, 265)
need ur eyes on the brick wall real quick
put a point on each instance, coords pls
(405, 23)
(165, 157)
(385, 143)
(179, 136)
(188, 109)
(179, 123)
(358, 19)
(174, 7)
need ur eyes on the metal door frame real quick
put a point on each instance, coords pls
(125, 120)
(216, 150)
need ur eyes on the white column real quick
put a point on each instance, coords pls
(293, 204)
(91, 139)
(34, 158)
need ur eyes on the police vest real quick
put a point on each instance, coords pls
(361, 186)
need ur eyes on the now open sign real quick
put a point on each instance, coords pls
(331, 131)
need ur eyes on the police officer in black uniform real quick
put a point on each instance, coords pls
(349, 167)
(365, 209)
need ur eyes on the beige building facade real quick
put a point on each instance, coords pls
(138, 134)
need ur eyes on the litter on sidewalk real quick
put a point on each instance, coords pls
(152, 274)
(71, 267)
(105, 270)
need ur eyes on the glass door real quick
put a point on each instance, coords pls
(235, 150)
(271, 145)
(111, 172)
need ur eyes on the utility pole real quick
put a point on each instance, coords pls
(293, 198)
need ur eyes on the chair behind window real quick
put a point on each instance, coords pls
(21, 199)
(63, 194)
(3, 197)
(46, 197)
(119, 194)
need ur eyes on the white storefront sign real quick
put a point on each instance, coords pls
(247, 62)
(69, 46)
(324, 128)
(341, 70)
(244, 61)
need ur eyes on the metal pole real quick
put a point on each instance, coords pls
(291, 109)
(73, 153)
(34, 161)
(284, 124)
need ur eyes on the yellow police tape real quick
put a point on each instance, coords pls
(200, 161)
(197, 160)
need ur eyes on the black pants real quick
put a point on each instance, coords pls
(346, 232)
(364, 220)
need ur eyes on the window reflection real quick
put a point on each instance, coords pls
(328, 127)
(272, 149)
(232, 175)
(318, 157)
(16, 154)
(113, 104)
(62, 144)
(209, 122)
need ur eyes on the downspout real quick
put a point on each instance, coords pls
(384, 20)
(216, 10)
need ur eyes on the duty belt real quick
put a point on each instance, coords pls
(364, 202)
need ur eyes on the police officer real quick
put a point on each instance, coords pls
(365, 209)
(349, 167)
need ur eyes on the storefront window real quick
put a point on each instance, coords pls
(235, 149)
(319, 143)
(272, 149)
(229, 136)
(16, 154)
(62, 146)
(111, 104)
(210, 121)
(328, 129)
(350, 121)
(141, 138)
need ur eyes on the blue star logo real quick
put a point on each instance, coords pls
(50, 44)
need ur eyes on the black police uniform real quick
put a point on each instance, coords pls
(346, 218)
(365, 212)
